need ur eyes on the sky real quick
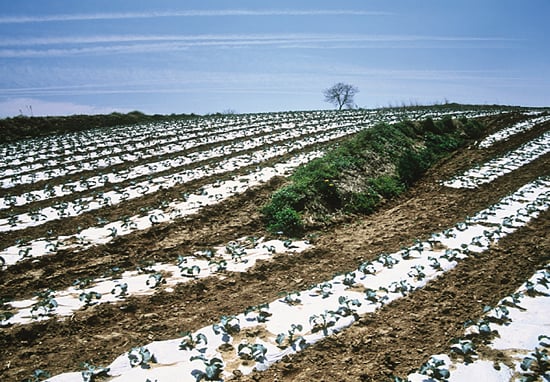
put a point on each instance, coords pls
(62, 57)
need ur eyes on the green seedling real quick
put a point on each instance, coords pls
(188, 342)
(142, 357)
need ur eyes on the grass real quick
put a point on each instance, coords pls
(376, 164)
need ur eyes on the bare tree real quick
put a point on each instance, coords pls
(341, 95)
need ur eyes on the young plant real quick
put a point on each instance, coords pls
(291, 338)
(417, 272)
(192, 271)
(464, 348)
(261, 312)
(188, 342)
(120, 290)
(376, 298)
(451, 255)
(482, 329)
(291, 298)
(252, 352)
(367, 268)
(347, 307)
(322, 322)
(155, 280)
(212, 372)
(91, 372)
(88, 297)
(434, 263)
(217, 266)
(536, 365)
(434, 369)
(228, 326)
(140, 356)
(45, 304)
(513, 300)
(498, 315)
(38, 375)
(82, 283)
(324, 289)
(349, 279)
(402, 287)
(387, 260)
(236, 251)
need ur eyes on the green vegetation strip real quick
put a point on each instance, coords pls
(376, 164)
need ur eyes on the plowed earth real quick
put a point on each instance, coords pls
(396, 339)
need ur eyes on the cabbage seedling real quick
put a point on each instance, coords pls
(45, 305)
(402, 287)
(192, 271)
(387, 260)
(188, 342)
(92, 372)
(88, 297)
(82, 283)
(367, 268)
(292, 298)
(499, 314)
(417, 272)
(291, 339)
(228, 326)
(513, 301)
(434, 263)
(140, 356)
(346, 307)
(217, 266)
(536, 365)
(249, 352)
(349, 279)
(464, 348)
(4, 316)
(372, 296)
(121, 289)
(236, 251)
(38, 375)
(261, 312)
(322, 322)
(451, 255)
(155, 280)
(324, 289)
(434, 369)
(212, 371)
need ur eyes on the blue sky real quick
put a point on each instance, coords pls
(165, 56)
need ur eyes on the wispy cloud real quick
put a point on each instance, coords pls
(190, 13)
(47, 46)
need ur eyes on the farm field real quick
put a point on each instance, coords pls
(142, 250)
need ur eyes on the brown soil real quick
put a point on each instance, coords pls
(395, 340)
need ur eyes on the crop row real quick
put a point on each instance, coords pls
(120, 143)
(236, 256)
(228, 164)
(505, 164)
(519, 127)
(301, 318)
(130, 153)
(278, 139)
(516, 328)
(208, 195)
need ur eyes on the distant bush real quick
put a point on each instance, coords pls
(23, 127)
